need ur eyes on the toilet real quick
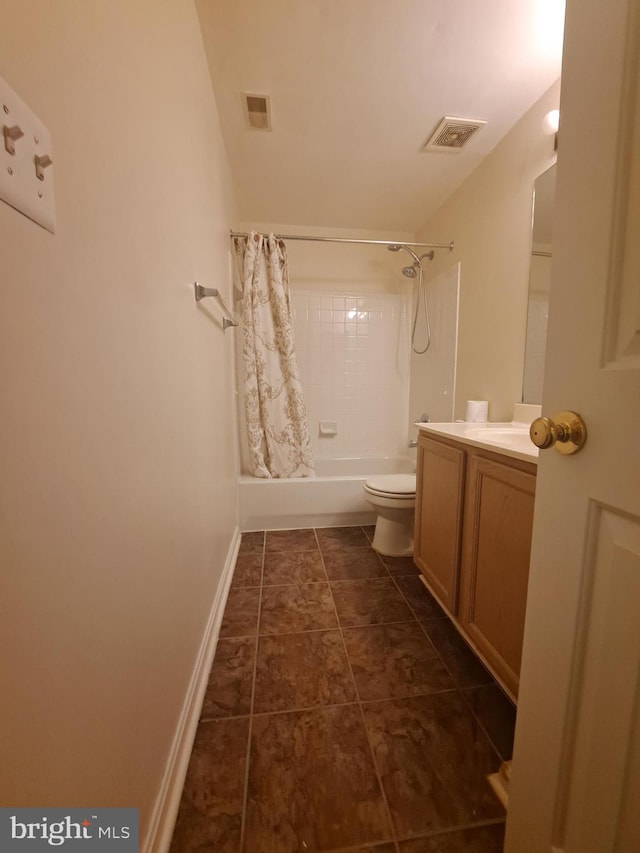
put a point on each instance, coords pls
(393, 496)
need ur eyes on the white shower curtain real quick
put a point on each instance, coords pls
(277, 429)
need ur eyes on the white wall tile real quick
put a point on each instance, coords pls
(354, 364)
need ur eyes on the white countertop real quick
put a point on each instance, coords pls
(509, 439)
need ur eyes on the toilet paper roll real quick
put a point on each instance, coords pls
(477, 411)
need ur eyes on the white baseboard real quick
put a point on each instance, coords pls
(158, 837)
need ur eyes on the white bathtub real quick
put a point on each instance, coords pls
(332, 498)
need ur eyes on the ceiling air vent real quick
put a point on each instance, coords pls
(258, 111)
(452, 134)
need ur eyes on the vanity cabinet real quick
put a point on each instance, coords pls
(474, 518)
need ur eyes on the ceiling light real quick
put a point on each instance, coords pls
(551, 122)
(549, 27)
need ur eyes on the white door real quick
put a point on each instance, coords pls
(576, 772)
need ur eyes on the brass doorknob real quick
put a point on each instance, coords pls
(566, 431)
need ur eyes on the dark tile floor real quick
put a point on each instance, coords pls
(343, 711)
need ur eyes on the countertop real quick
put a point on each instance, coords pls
(509, 439)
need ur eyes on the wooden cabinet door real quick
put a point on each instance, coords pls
(438, 527)
(494, 574)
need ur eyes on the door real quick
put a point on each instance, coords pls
(576, 771)
(494, 570)
(438, 527)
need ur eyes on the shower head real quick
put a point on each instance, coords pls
(412, 271)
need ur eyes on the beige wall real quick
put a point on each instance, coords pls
(117, 493)
(489, 218)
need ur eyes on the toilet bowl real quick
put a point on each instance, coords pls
(393, 496)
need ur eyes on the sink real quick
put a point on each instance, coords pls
(497, 432)
(510, 438)
(515, 438)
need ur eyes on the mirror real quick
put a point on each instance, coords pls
(539, 279)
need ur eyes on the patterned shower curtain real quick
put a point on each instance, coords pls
(277, 429)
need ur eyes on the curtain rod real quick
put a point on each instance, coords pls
(352, 240)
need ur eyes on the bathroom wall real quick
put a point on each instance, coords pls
(537, 321)
(489, 218)
(351, 319)
(118, 487)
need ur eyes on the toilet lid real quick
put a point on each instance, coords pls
(393, 484)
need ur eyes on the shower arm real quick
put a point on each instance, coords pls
(395, 247)
(411, 252)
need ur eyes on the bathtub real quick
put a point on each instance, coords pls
(333, 498)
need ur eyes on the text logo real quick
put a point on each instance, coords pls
(87, 830)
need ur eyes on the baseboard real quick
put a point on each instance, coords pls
(500, 783)
(303, 521)
(158, 837)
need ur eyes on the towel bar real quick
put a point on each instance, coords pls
(202, 292)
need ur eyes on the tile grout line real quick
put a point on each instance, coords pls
(364, 724)
(458, 686)
(332, 628)
(358, 702)
(479, 721)
(243, 819)
(439, 656)
(395, 839)
(280, 712)
(306, 708)
(456, 682)
(450, 830)
(406, 598)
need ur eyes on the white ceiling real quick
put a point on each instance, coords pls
(357, 87)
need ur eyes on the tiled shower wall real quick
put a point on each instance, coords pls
(353, 355)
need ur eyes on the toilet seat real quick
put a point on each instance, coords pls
(397, 486)
(393, 496)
